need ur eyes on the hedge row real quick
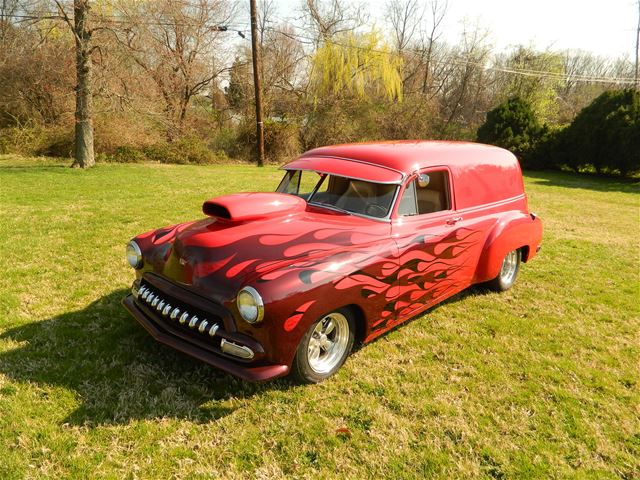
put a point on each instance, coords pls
(604, 137)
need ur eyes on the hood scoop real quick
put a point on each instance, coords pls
(245, 207)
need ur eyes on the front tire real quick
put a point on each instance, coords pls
(324, 347)
(508, 272)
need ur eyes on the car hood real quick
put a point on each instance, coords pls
(236, 246)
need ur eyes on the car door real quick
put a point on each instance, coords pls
(433, 249)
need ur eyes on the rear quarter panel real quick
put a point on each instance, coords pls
(513, 230)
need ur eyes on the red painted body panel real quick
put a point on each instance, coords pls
(306, 261)
(244, 207)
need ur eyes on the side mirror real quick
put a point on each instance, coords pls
(423, 180)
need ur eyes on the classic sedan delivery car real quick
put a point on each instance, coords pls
(355, 240)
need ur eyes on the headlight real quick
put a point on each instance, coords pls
(250, 305)
(134, 255)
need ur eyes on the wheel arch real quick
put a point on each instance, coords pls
(515, 231)
(360, 320)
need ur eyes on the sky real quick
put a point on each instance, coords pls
(604, 27)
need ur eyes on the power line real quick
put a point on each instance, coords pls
(467, 62)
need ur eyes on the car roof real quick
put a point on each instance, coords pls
(407, 156)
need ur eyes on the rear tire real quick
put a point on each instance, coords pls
(324, 347)
(508, 272)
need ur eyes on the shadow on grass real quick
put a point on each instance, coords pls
(585, 181)
(120, 373)
(473, 290)
(117, 371)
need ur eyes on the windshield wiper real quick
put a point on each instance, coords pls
(332, 207)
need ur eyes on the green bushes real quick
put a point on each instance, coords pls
(183, 151)
(37, 141)
(604, 137)
(514, 126)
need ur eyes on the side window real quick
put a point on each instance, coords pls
(299, 182)
(429, 194)
(408, 204)
(308, 181)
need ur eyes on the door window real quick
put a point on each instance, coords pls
(427, 193)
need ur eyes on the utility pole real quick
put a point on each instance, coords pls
(635, 83)
(257, 82)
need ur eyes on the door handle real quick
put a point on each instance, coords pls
(454, 220)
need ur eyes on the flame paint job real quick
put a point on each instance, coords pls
(307, 261)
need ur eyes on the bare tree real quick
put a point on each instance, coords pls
(438, 12)
(173, 43)
(8, 9)
(459, 99)
(328, 18)
(416, 29)
(405, 17)
(82, 33)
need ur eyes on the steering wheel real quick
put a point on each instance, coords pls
(374, 210)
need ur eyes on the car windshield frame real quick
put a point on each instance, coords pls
(289, 173)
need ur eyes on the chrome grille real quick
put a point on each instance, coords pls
(179, 314)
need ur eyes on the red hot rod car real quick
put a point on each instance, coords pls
(355, 240)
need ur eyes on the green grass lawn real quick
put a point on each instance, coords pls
(541, 381)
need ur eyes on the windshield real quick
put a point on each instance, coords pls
(340, 193)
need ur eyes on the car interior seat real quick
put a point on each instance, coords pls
(357, 197)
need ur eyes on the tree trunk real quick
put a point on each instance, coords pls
(84, 154)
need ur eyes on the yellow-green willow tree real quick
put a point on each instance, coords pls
(361, 65)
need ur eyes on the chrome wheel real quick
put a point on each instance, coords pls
(509, 267)
(328, 343)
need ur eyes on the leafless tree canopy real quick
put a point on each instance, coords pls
(162, 71)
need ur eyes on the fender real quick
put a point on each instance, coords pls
(314, 287)
(514, 230)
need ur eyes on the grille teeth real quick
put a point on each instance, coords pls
(156, 302)
(214, 328)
